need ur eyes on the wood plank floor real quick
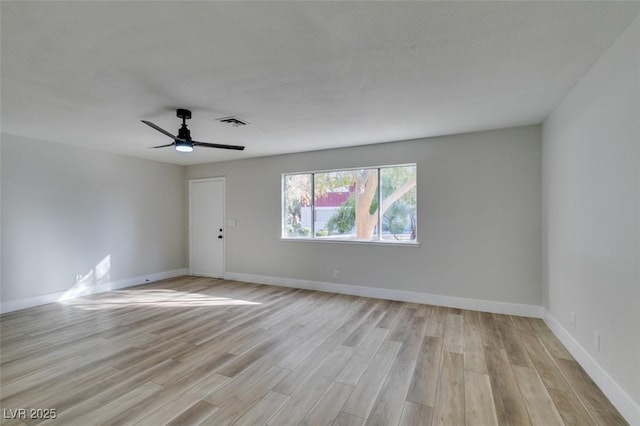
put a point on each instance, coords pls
(203, 351)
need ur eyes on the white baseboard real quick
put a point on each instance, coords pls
(629, 409)
(16, 305)
(391, 294)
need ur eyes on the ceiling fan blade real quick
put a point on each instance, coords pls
(162, 146)
(217, 145)
(160, 129)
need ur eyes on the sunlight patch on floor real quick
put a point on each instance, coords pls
(118, 299)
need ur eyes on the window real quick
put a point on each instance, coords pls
(345, 204)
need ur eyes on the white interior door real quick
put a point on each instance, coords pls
(206, 227)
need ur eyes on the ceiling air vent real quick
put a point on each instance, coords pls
(234, 121)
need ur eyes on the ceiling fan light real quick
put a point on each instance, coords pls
(184, 146)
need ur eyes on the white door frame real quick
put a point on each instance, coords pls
(224, 207)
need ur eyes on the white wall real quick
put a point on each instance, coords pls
(69, 211)
(591, 192)
(478, 218)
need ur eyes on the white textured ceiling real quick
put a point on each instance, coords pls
(305, 75)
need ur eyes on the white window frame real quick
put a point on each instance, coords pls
(312, 238)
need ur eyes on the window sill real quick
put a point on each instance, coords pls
(357, 242)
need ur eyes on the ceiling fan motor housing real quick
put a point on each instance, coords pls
(184, 133)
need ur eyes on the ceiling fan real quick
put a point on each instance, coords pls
(183, 141)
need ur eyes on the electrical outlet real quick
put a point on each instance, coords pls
(78, 278)
(596, 341)
(573, 320)
(336, 274)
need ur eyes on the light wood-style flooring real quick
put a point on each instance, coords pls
(203, 351)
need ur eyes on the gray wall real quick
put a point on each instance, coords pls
(478, 218)
(591, 167)
(65, 209)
